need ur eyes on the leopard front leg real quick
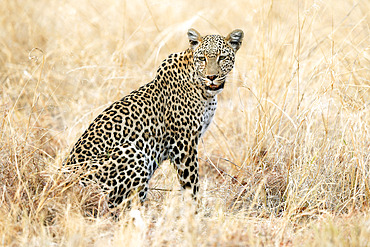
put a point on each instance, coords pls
(186, 165)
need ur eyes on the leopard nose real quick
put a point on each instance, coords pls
(212, 77)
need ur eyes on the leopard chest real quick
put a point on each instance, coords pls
(209, 113)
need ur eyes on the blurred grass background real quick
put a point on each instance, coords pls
(286, 161)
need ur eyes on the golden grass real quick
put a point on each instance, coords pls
(285, 163)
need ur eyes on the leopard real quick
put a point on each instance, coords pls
(161, 120)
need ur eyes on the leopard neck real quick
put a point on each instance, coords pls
(178, 68)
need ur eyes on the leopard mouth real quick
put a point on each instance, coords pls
(214, 87)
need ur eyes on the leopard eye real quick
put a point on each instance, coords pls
(222, 57)
(202, 59)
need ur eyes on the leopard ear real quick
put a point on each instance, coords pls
(194, 38)
(235, 38)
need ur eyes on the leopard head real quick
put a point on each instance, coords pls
(214, 57)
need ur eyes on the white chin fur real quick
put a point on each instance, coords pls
(214, 92)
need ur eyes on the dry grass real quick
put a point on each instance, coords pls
(286, 162)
